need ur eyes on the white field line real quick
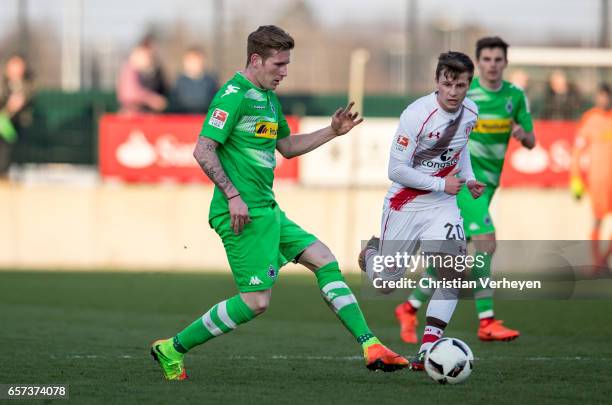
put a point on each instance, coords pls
(285, 357)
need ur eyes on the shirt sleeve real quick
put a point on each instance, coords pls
(283, 127)
(523, 113)
(402, 153)
(222, 117)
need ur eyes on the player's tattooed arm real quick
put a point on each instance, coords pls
(205, 154)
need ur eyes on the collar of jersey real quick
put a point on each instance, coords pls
(486, 90)
(240, 77)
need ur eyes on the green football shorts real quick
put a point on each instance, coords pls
(267, 243)
(475, 212)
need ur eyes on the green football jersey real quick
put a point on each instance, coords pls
(497, 110)
(246, 121)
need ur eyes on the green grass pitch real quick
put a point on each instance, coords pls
(92, 331)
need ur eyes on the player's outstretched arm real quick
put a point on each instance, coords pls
(527, 139)
(205, 154)
(342, 122)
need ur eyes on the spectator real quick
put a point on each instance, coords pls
(15, 99)
(562, 100)
(519, 78)
(132, 94)
(195, 87)
(153, 78)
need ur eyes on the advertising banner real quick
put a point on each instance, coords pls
(159, 148)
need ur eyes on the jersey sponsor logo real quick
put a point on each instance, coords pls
(434, 135)
(255, 281)
(448, 159)
(218, 118)
(265, 129)
(493, 126)
(446, 155)
(231, 89)
(439, 165)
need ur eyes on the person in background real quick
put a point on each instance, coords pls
(195, 86)
(519, 78)
(153, 77)
(16, 91)
(133, 96)
(562, 100)
(594, 140)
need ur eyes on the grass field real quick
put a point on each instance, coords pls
(92, 331)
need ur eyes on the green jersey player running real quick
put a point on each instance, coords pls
(503, 112)
(236, 149)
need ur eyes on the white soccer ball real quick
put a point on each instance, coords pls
(449, 360)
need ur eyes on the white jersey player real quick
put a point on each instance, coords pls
(429, 163)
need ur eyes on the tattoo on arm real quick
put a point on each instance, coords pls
(206, 155)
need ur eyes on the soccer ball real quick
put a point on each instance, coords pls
(449, 360)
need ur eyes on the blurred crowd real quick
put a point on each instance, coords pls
(142, 86)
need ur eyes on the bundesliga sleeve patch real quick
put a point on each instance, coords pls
(218, 118)
(401, 143)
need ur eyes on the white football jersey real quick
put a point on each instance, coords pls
(431, 141)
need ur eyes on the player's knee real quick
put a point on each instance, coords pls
(260, 305)
(316, 256)
(485, 245)
(258, 301)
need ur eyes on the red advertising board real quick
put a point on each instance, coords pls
(546, 165)
(155, 148)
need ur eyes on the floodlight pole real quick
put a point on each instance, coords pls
(218, 35)
(22, 18)
(71, 44)
(411, 47)
(359, 59)
(604, 28)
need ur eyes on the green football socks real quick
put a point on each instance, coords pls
(483, 296)
(220, 319)
(341, 300)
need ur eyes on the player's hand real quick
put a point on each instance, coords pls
(239, 214)
(526, 139)
(476, 188)
(453, 184)
(344, 120)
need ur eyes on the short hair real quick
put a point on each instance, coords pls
(491, 42)
(452, 64)
(195, 50)
(604, 88)
(266, 39)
